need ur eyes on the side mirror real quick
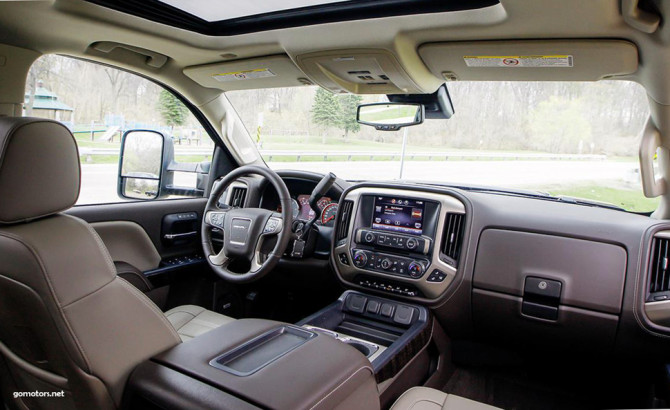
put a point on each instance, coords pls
(142, 164)
(390, 116)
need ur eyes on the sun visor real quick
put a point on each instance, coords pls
(530, 60)
(253, 73)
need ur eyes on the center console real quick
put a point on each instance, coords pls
(360, 352)
(399, 241)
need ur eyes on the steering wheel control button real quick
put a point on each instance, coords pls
(356, 303)
(216, 219)
(403, 315)
(272, 226)
(437, 276)
(386, 310)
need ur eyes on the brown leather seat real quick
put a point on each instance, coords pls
(423, 398)
(67, 322)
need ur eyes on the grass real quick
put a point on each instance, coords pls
(631, 200)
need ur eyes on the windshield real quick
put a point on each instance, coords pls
(577, 139)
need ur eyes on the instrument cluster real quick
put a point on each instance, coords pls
(301, 210)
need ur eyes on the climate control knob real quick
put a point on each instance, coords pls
(360, 259)
(411, 244)
(415, 269)
(369, 237)
(385, 264)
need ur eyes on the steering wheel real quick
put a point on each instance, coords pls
(245, 229)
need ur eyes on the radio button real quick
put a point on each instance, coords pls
(412, 244)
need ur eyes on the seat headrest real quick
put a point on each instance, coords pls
(39, 169)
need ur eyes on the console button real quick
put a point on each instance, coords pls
(369, 237)
(415, 269)
(387, 310)
(403, 315)
(373, 307)
(343, 258)
(411, 244)
(385, 263)
(360, 259)
(437, 276)
(356, 303)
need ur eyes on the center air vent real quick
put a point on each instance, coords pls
(345, 219)
(659, 277)
(452, 240)
(237, 197)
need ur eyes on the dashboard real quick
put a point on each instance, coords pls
(527, 270)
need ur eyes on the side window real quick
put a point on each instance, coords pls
(99, 104)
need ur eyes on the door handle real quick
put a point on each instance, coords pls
(179, 235)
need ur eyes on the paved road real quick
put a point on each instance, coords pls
(99, 180)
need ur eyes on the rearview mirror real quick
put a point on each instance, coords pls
(390, 116)
(141, 164)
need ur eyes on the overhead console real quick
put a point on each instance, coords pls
(359, 71)
(399, 241)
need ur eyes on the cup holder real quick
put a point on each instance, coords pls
(367, 349)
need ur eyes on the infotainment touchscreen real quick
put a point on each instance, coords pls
(401, 215)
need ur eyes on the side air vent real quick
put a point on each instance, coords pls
(237, 197)
(453, 236)
(345, 219)
(659, 277)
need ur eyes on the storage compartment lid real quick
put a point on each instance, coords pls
(531, 60)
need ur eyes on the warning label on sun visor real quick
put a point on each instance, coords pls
(244, 75)
(518, 61)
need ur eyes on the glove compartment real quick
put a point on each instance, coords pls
(549, 289)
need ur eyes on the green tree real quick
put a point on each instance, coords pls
(173, 111)
(325, 110)
(347, 113)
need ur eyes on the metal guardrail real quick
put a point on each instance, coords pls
(349, 155)
(430, 155)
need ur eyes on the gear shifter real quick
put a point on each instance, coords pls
(319, 191)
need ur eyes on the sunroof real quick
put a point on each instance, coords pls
(228, 17)
(218, 10)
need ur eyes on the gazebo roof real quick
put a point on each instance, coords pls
(46, 100)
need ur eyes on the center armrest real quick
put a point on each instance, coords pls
(275, 365)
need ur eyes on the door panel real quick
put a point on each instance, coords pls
(128, 242)
(170, 270)
(149, 215)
